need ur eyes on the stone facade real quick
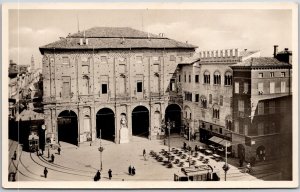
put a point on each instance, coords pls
(85, 81)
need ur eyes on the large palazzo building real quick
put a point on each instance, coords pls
(96, 78)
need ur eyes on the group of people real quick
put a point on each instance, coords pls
(131, 170)
(98, 175)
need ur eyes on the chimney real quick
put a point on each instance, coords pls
(275, 50)
(286, 49)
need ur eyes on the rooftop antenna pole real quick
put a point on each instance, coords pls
(78, 24)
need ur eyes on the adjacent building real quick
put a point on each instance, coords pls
(104, 79)
(262, 106)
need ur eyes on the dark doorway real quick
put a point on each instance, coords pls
(261, 153)
(105, 120)
(241, 151)
(173, 113)
(140, 121)
(67, 127)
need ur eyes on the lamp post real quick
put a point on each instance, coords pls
(190, 147)
(169, 125)
(100, 150)
(225, 166)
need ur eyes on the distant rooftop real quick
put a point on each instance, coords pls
(115, 38)
(262, 62)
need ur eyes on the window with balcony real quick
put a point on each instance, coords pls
(246, 87)
(260, 88)
(203, 103)
(216, 112)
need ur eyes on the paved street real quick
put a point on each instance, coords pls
(81, 164)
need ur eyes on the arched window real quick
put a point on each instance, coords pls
(216, 111)
(228, 122)
(203, 102)
(217, 78)
(206, 77)
(228, 78)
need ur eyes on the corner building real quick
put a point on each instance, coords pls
(95, 78)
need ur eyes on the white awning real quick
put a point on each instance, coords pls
(215, 139)
(223, 142)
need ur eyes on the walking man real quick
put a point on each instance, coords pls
(45, 172)
(52, 158)
(129, 169)
(133, 171)
(144, 152)
(109, 174)
(97, 176)
(58, 150)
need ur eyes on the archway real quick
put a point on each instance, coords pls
(261, 153)
(67, 127)
(140, 121)
(173, 113)
(105, 120)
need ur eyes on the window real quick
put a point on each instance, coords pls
(241, 107)
(85, 69)
(260, 75)
(172, 58)
(179, 78)
(172, 85)
(221, 100)
(271, 107)
(197, 78)
(246, 129)
(139, 59)
(85, 85)
(190, 79)
(206, 77)
(139, 87)
(220, 130)
(217, 78)
(260, 88)
(272, 87)
(65, 60)
(236, 87)
(260, 129)
(282, 74)
(228, 124)
(260, 108)
(103, 59)
(271, 74)
(228, 78)
(210, 98)
(197, 98)
(185, 78)
(188, 96)
(122, 68)
(282, 88)
(104, 88)
(156, 68)
(66, 88)
(246, 87)
(236, 126)
(203, 102)
(216, 113)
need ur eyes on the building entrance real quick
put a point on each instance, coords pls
(67, 127)
(105, 120)
(140, 121)
(173, 113)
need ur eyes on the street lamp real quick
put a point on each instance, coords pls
(225, 166)
(170, 124)
(100, 150)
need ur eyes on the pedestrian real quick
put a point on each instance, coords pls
(184, 145)
(241, 162)
(109, 174)
(196, 148)
(45, 172)
(58, 150)
(144, 152)
(133, 171)
(15, 156)
(97, 176)
(52, 158)
(129, 169)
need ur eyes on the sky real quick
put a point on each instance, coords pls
(207, 29)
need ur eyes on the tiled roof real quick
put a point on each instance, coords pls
(190, 60)
(115, 38)
(28, 115)
(262, 62)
